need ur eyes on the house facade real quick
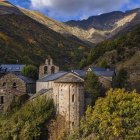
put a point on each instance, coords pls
(14, 85)
(105, 75)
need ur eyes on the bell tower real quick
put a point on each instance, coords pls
(48, 68)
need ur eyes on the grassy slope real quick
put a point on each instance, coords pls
(26, 40)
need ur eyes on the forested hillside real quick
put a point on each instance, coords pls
(122, 52)
(29, 42)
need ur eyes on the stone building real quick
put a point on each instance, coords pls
(67, 90)
(69, 98)
(48, 68)
(105, 75)
(19, 82)
(14, 85)
(8, 97)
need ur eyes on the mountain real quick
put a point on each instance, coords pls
(65, 30)
(122, 52)
(107, 25)
(24, 39)
(30, 36)
(93, 30)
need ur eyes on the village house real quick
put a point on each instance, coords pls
(105, 75)
(13, 84)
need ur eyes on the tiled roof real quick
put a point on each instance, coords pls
(52, 77)
(108, 72)
(23, 78)
(11, 67)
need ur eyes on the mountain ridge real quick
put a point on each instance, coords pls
(91, 31)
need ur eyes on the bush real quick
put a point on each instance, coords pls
(115, 117)
(27, 123)
(121, 79)
(30, 71)
(93, 86)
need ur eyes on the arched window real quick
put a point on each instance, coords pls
(4, 84)
(73, 98)
(45, 70)
(14, 85)
(52, 70)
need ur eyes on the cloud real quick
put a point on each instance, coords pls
(67, 9)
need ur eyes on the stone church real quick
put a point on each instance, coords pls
(66, 89)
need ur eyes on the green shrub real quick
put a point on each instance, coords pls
(30, 71)
(115, 117)
(27, 123)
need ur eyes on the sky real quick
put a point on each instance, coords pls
(64, 10)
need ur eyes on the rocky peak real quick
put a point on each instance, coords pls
(105, 21)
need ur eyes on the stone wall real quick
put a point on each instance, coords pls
(106, 82)
(70, 102)
(44, 85)
(7, 101)
(10, 81)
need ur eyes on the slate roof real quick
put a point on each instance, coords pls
(107, 72)
(52, 77)
(81, 73)
(70, 78)
(41, 92)
(11, 67)
(25, 79)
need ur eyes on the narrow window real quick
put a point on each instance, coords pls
(1, 100)
(73, 98)
(14, 85)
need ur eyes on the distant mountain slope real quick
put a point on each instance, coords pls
(107, 25)
(93, 30)
(26, 40)
(71, 32)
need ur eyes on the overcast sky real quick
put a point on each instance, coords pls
(76, 9)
